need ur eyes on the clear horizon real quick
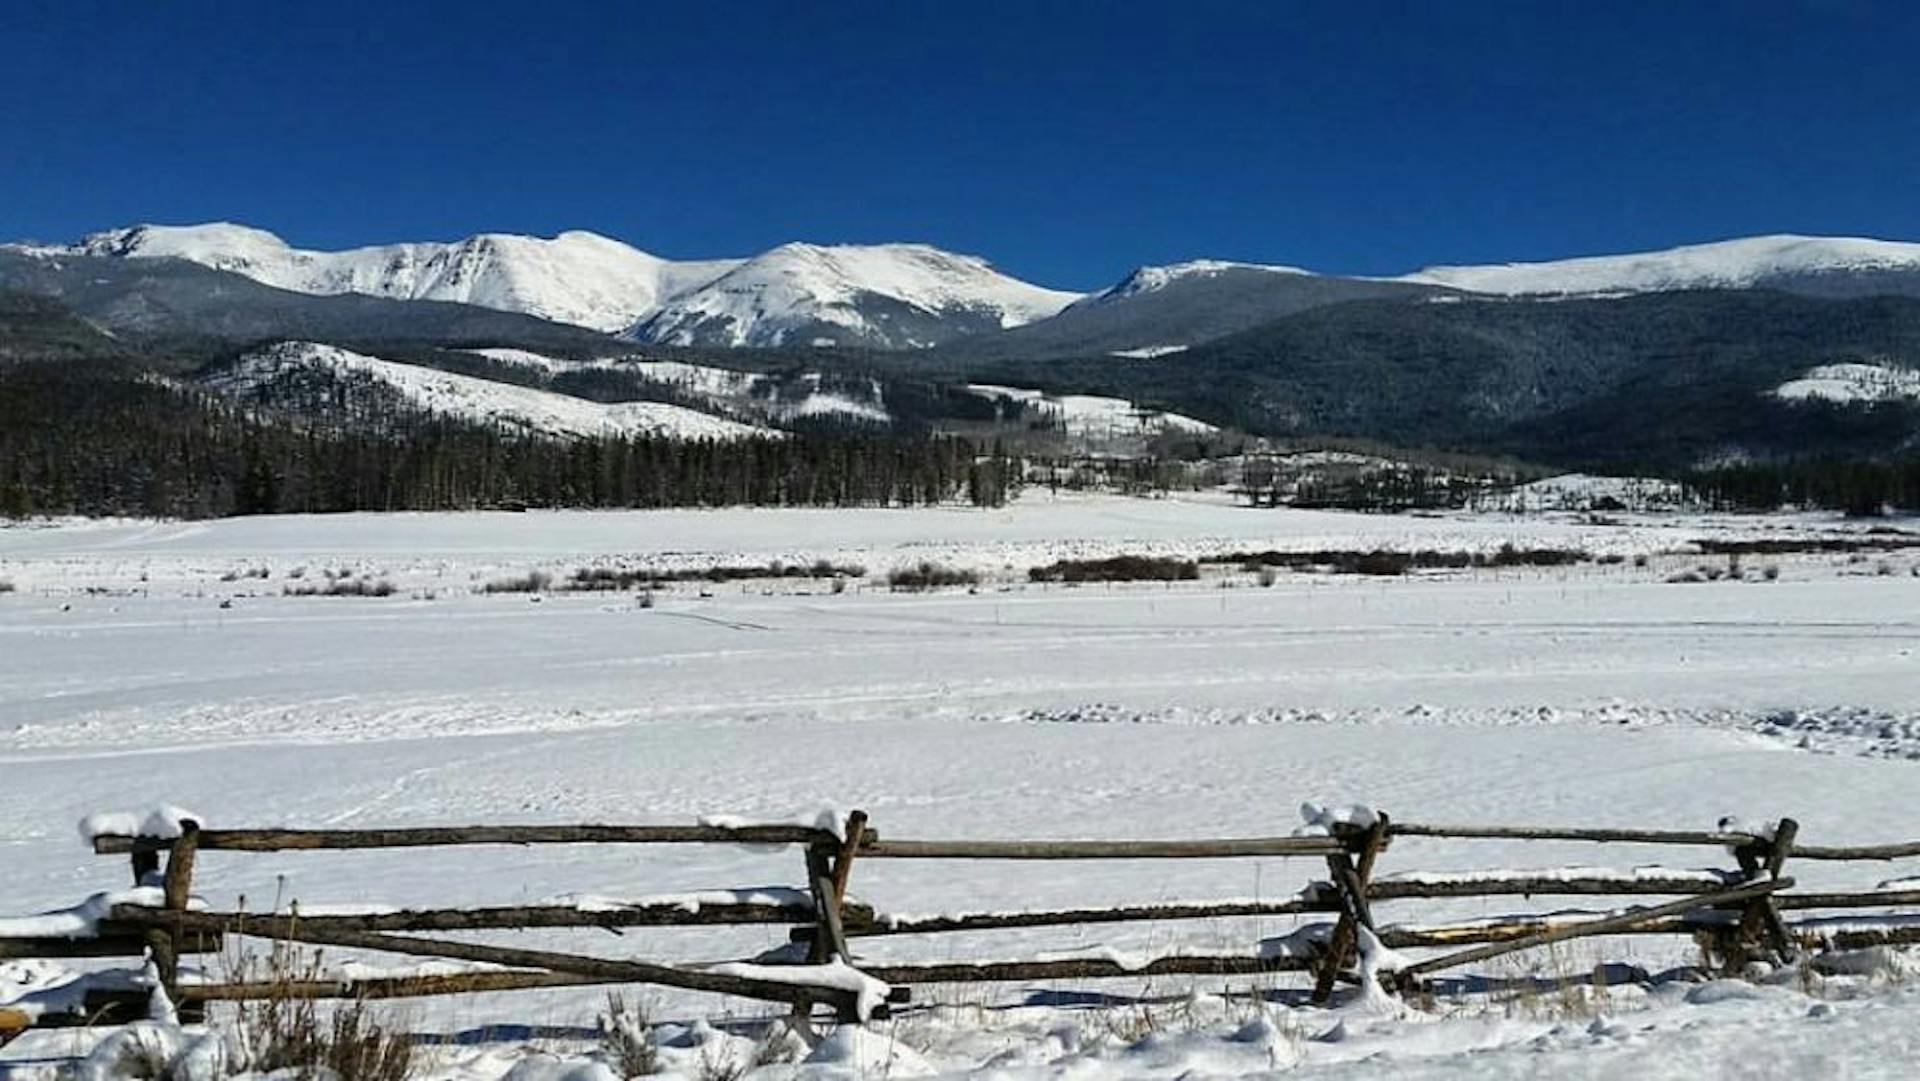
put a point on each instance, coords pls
(1065, 143)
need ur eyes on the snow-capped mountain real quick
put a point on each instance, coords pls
(888, 296)
(290, 369)
(576, 277)
(1727, 264)
(909, 296)
(1150, 279)
(1160, 311)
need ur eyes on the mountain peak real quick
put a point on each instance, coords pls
(883, 295)
(1725, 264)
(1147, 279)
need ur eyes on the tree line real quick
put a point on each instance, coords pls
(103, 439)
(1861, 487)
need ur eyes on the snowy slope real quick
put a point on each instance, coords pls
(894, 295)
(1092, 415)
(1726, 264)
(576, 277)
(751, 396)
(1853, 383)
(755, 394)
(483, 400)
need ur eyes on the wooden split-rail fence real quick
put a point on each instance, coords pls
(1738, 914)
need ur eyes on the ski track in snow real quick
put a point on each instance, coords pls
(1586, 695)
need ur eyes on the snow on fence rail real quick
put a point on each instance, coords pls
(1736, 912)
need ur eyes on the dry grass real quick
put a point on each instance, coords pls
(626, 1037)
(293, 1037)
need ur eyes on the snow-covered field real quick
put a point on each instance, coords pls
(147, 663)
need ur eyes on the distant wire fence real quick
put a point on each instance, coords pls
(1736, 914)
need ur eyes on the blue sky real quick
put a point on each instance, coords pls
(1067, 142)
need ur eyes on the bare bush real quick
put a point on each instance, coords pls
(1127, 568)
(1382, 561)
(288, 1035)
(927, 575)
(530, 582)
(343, 587)
(611, 579)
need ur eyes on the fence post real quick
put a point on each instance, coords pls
(1350, 883)
(1763, 911)
(146, 861)
(177, 889)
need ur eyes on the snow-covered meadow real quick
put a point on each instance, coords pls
(145, 663)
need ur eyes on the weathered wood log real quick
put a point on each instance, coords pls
(1623, 921)
(176, 891)
(12, 1023)
(843, 861)
(518, 917)
(1351, 883)
(100, 1008)
(123, 943)
(1102, 850)
(1441, 936)
(1079, 969)
(1894, 851)
(1602, 835)
(859, 927)
(460, 983)
(1763, 910)
(1853, 934)
(289, 840)
(624, 971)
(1544, 884)
(1866, 899)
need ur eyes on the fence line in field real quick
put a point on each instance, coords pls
(1737, 912)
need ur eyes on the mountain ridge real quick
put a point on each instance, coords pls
(839, 294)
(908, 296)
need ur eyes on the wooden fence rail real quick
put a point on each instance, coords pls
(1737, 909)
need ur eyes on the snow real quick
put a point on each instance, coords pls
(785, 896)
(835, 975)
(1149, 352)
(1092, 415)
(754, 394)
(1327, 821)
(483, 400)
(525, 358)
(1582, 491)
(1853, 383)
(1585, 695)
(1724, 264)
(828, 819)
(856, 1054)
(81, 920)
(763, 300)
(165, 822)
